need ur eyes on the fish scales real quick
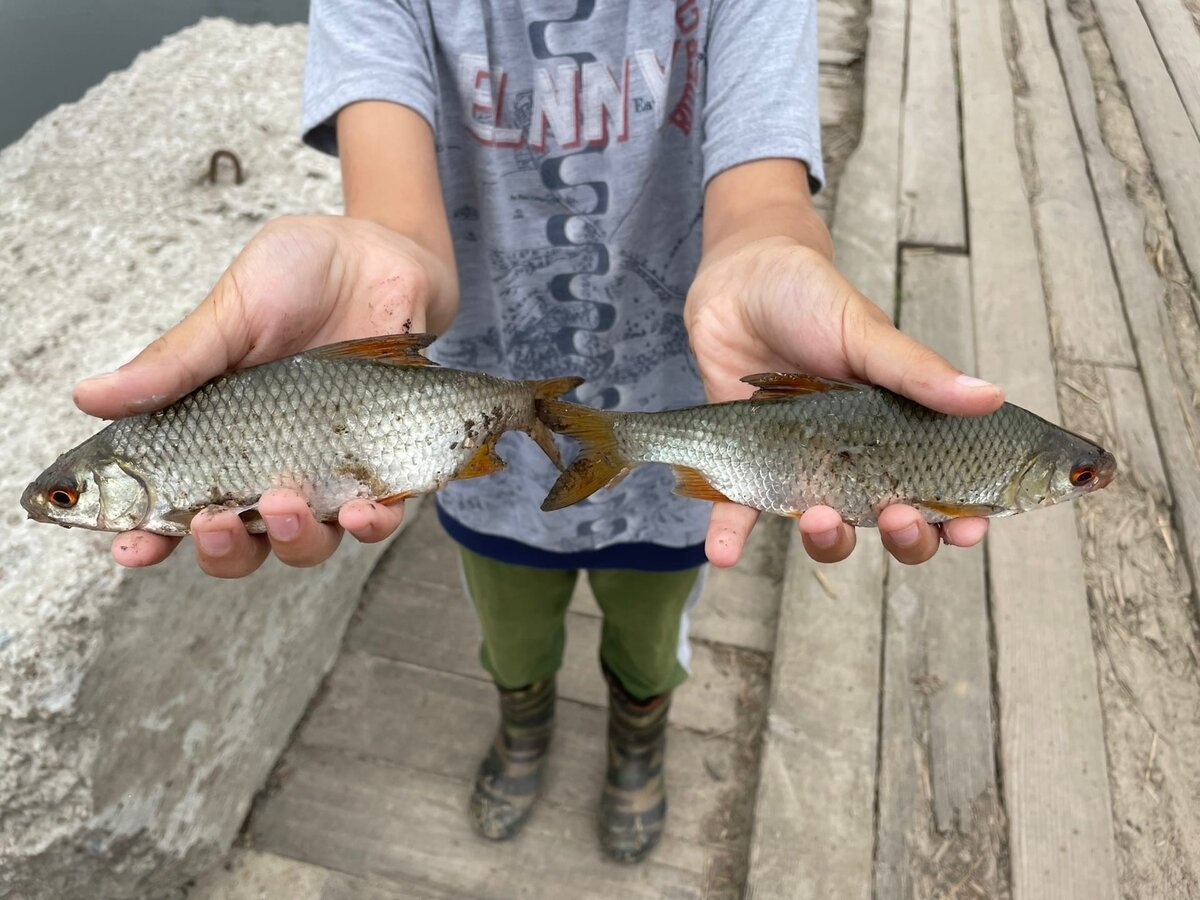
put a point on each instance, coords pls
(369, 418)
(855, 453)
(335, 429)
(804, 441)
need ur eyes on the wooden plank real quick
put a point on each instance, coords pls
(1052, 742)
(899, 747)
(936, 309)
(931, 187)
(1176, 420)
(814, 827)
(407, 828)
(840, 32)
(1087, 321)
(1162, 120)
(865, 226)
(431, 623)
(442, 724)
(1178, 38)
(254, 875)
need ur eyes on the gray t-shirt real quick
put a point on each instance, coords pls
(574, 142)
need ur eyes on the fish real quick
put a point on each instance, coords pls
(370, 418)
(802, 441)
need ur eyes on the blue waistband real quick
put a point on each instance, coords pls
(641, 556)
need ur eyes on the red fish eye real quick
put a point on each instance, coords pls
(63, 497)
(1082, 475)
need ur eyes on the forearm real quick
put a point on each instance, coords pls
(763, 200)
(390, 176)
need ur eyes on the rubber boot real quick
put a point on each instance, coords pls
(633, 808)
(510, 776)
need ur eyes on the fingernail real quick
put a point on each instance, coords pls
(214, 543)
(971, 381)
(824, 539)
(906, 537)
(283, 528)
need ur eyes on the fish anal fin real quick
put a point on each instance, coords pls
(693, 483)
(953, 510)
(393, 349)
(483, 461)
(392, 499)
(774, 385)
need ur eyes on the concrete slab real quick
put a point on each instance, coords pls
(141, 710)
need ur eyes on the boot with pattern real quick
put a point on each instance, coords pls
(510, 776)
(633, 808)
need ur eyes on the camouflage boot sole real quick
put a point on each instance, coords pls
(633, 808)
(510, 776)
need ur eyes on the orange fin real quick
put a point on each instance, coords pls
(773, 385)
(958, 510)
(691, 482)
(483, 461)
(394, 349)
(391, 499)
(599, 463)
(549, 389)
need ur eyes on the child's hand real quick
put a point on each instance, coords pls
(773, 305)
(300, 283)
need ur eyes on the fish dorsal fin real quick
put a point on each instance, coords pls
(772, 385)
(393, 349)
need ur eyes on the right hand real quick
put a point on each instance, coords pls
(299, 283)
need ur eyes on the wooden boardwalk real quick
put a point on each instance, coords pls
(1018, 183)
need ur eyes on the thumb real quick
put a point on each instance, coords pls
(204, 345)
(886, 356)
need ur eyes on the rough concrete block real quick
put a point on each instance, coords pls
(141, 710)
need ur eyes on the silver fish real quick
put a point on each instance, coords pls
(369, 418)
(803, 441)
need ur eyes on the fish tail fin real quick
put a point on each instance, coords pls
(599, 463)
(549, 389)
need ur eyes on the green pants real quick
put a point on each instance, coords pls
(523, 611)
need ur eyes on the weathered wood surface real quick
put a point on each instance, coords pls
(931, 186)
(1086, 319)
(1051, 734)
(254, 875)
(899, 723)
(935, 308)
(866, 222)
(1175, 417)
(814, 827)
(814, 822)
(1161, 117)
(431, 623)
(1178, 39)
(389, 711)
(368, 818)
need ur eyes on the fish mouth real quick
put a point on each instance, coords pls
(32, 508)
(1106, 471)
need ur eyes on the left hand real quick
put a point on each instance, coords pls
(775, 305)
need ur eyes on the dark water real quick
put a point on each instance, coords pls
(51, 51)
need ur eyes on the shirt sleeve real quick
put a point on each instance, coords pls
(762, 71)
(363, 50)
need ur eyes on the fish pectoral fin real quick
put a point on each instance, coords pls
(953, 510)
(393, 349)
(693, 483)
(483, 461)
(775, 385)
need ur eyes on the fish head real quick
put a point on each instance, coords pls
(1065, 467)
(77, 492)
